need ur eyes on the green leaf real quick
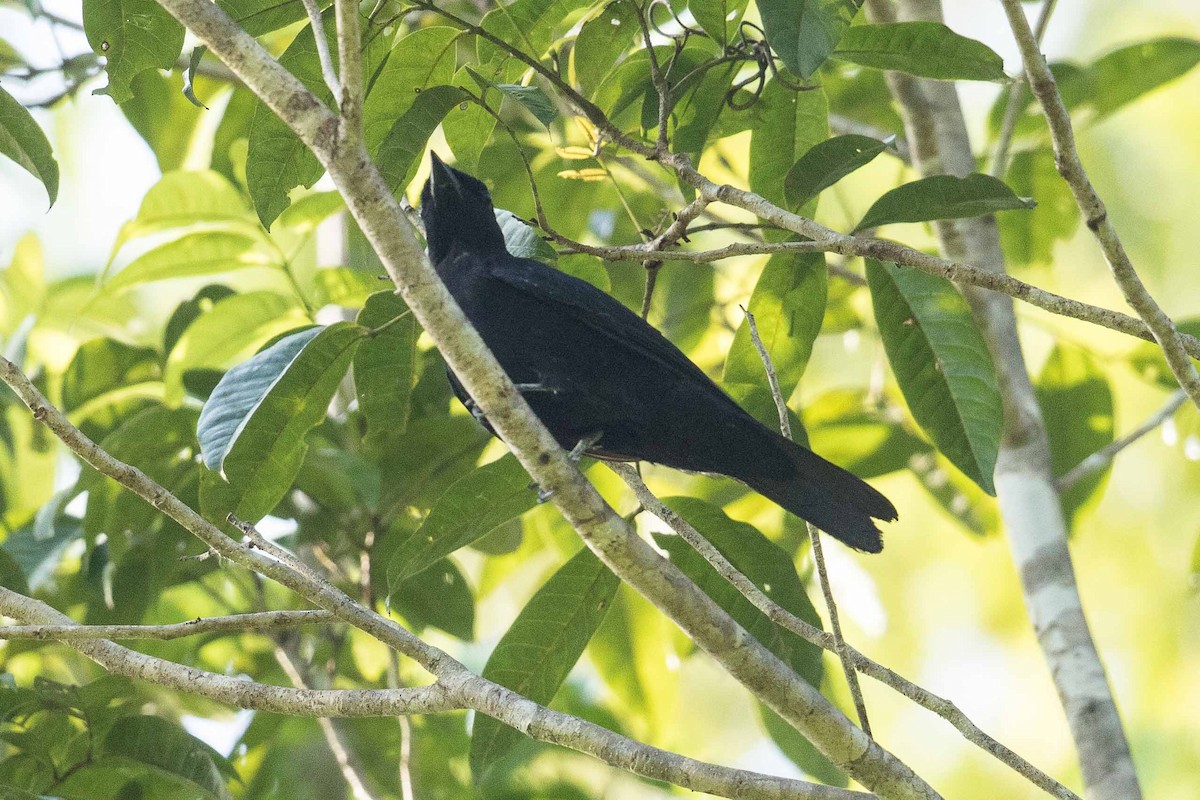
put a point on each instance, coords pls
(925, 49)
(719, 18)
(23, 141)
(106, 381)
(791, 124)
(401, 149)
(539, 649)
(309, 211)
(230, 332)
(799, 749)
(438, 596)
(471, 508)
(277, 160)
(601, 43)
(803, 33)
(343, 286)
(1077, 405)
(253, 427)
(132, 36)
(942, 364)
(534, 99)
(183, 198)
(765, 563)
(194, 255)
(1123, 75)
(826, 163)
(166, 748)
(788, 304)
(386, 367)
(257, 17)
(523, 240)
(421, 60)
(162, 115)
(531, 25)
(1030, 238)
(467, 130)
(846, 429)
(942, 197)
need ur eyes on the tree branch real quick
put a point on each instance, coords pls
(456, 687)
(779, 615)
(380, 218)
(1095, 215)
(814, 538)
(237, 692)
(238, 623)
(1029, 503)
(328, 71)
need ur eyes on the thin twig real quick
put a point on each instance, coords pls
(1095, 215)
(1013, 108)
(343, 755)
(237, 623)
(456, 686)
(1105, 455)
(328, 72)
(779, 615)
(814, 536)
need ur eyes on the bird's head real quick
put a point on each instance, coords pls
(457, 211)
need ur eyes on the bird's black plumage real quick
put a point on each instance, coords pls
(593, 370)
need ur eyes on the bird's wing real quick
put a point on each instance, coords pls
(600, 312)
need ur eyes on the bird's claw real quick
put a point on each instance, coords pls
(576, 453)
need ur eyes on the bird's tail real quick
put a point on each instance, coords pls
(836, 501)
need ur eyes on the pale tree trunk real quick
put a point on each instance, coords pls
(1029, 503)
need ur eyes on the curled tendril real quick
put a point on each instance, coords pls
(685, 30)
(752, 46)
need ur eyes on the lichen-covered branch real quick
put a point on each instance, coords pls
(238, 623)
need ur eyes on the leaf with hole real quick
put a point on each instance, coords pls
(419, 61)
(132, 36)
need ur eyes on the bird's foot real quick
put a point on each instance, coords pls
(475, 410)
(582, 446)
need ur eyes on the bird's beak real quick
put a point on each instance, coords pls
(442, 180)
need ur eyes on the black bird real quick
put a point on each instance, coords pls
(607, 384)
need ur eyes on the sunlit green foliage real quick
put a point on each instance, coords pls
(198, 355)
